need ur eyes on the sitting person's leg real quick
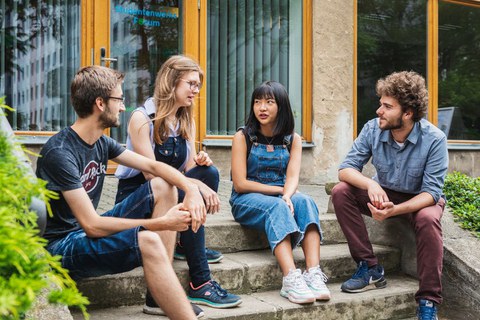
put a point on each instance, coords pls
(272, 215)
(210, 177)
(128, 249)
(159, 274)
(307, 217)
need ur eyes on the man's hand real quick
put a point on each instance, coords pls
(202, 159)
(376, 194)
(193, 203)
(386, 210)
(176, 219)
(212, 201)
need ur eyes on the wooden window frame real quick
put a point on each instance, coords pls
(197, 48)
(432, 63)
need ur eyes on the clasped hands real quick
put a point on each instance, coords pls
(380, 206)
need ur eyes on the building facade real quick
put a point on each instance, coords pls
(328, 54)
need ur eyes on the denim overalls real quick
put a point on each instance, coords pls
(270, 213)
(175, 152)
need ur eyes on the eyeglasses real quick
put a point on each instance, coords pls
(193, 85)
(121, 99)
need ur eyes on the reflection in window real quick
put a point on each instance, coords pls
(391, 37)
(148, 34)
(459, 70)
(250, 42)
(33, 30)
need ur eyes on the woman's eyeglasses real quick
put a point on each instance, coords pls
(193, 84)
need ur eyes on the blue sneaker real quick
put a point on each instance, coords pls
(211, 294)
(212, 255)
(365, 278)
(426, 310)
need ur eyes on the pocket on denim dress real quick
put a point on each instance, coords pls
(172, 152)
(269, 169)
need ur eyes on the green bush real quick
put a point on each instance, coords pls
(463, 196)
(26, 267)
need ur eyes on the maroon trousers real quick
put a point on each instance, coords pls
(350, 203)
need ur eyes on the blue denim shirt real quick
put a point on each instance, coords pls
(420, 165)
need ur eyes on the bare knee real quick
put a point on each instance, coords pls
(163, 189)
(151, 245)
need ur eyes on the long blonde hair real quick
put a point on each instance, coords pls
(166, 82)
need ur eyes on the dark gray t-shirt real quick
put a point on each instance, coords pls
(67, 162)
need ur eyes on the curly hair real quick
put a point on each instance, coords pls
(166, 82)
(408, 87)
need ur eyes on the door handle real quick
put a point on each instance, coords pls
(103, 59)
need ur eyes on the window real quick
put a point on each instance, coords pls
(24, 36)
(391, 36)
(459, 70)
(250, 42)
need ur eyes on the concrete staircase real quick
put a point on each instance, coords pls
(249, 269)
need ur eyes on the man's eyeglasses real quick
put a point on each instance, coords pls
(193, 85)
(121, 99)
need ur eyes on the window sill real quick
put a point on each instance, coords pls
(227, 143)
(463, 146)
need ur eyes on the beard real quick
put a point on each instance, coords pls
(108, 119)
(397, 124)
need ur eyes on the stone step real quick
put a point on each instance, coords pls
(394, 302)
(241, 272)
(224, 234)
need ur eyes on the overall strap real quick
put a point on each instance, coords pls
(250, 139)
(287, 140)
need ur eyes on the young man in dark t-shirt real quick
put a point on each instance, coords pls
(139, 231)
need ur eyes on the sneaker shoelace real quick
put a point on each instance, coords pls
(317, 277)
(298, 281)
(360, 272)
(219, 290)
(428, 313)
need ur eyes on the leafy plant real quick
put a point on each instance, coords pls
(463, 195)
(26, 267)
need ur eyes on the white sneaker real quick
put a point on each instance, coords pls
(315, 280)
(295, 288)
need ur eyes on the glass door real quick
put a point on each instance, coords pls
(143, 34)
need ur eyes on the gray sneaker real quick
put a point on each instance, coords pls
(315, 280)
(296, 289)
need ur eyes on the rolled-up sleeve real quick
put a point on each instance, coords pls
(361, 150)
(435, 169)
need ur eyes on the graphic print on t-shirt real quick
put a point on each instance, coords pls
(91, 173)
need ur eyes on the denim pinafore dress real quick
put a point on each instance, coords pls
(269, 213)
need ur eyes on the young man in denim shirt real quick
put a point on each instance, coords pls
(411, 160)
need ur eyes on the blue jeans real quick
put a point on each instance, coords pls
(119, 252)
(272, 215)
(194, 243)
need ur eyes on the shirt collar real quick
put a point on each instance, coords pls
(385, 135)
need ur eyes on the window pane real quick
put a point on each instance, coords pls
(144, 35)
(40, 93)
(459, 70)
(251, 41)
(392, 36)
